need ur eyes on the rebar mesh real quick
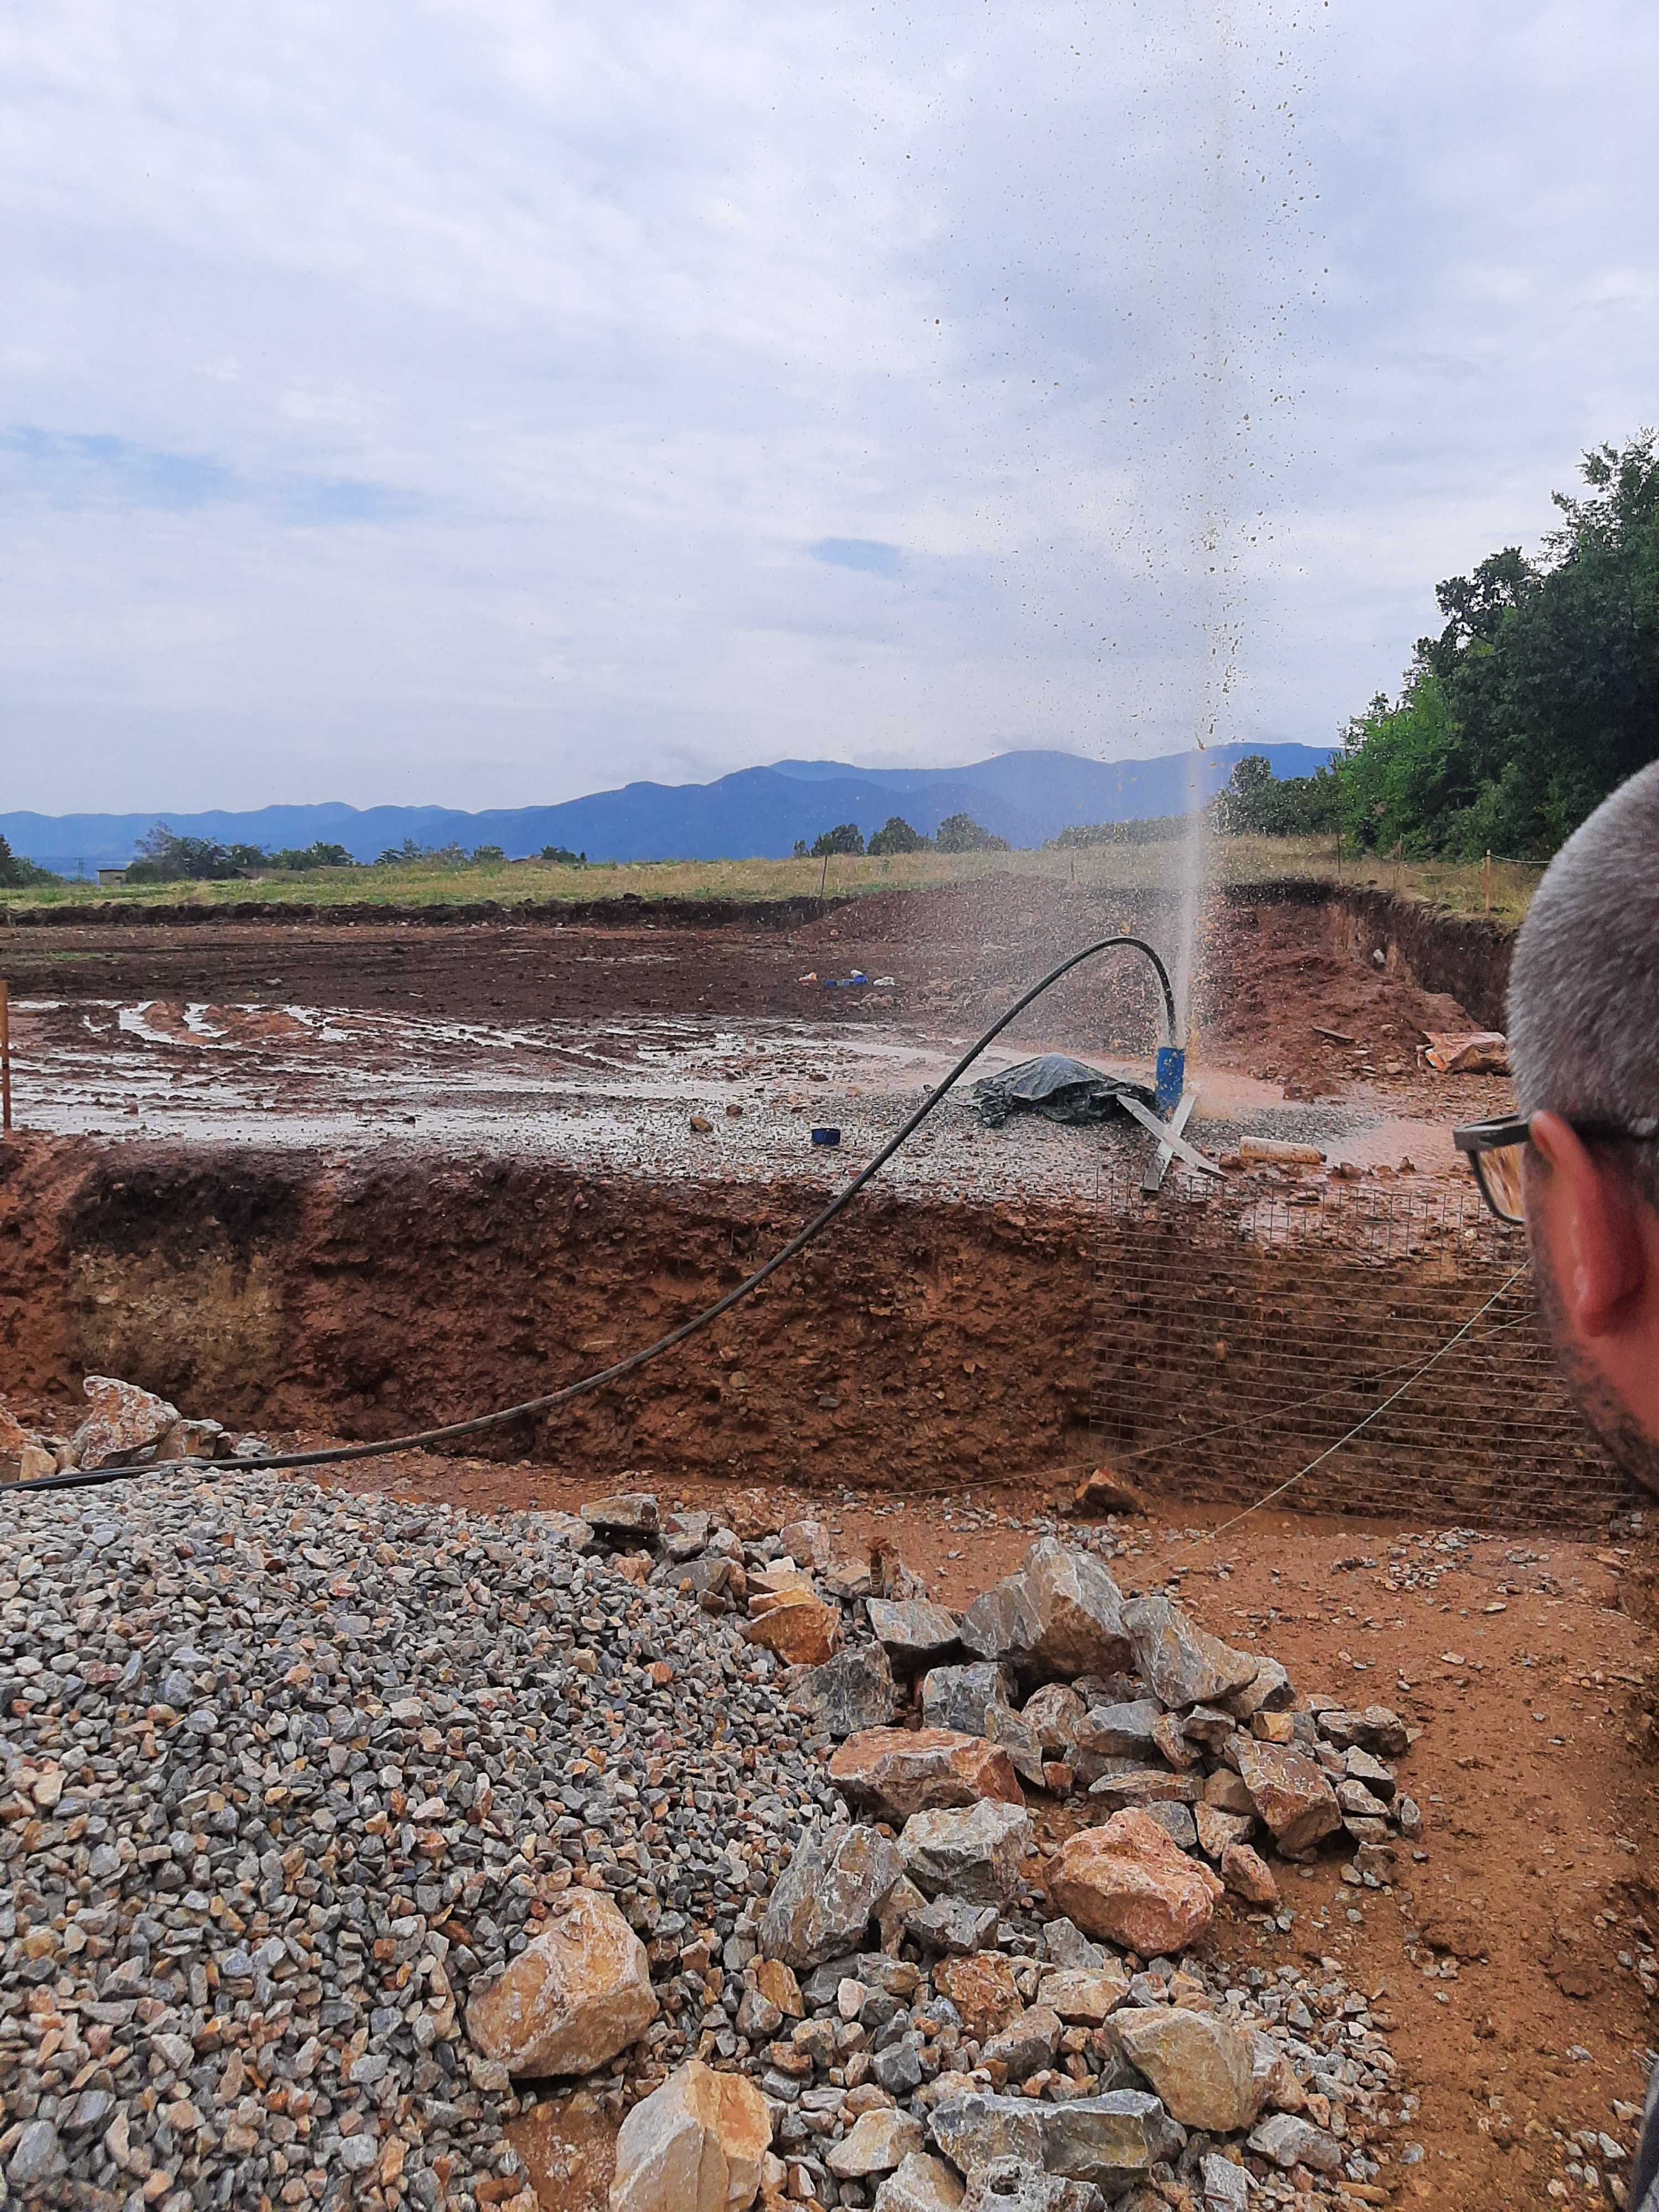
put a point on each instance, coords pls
(1240, 1333)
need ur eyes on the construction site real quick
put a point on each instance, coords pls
(301, 1767)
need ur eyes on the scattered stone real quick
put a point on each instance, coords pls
(853, 1690)
(1145, 1785)
(897, 1772)
(1290, 2140)
(1183, 1665)
(1105, 1492)
(1291, 1794)
(572, 1998)
(632, 1515)
(1199, 2064)
(833, 1886)
(977, 1855)
(698, 2144)
(1247, 1875)
(1176, 1820)
(1129, 1883)
(916, 1632)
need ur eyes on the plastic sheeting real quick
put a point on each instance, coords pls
(1059, 1088)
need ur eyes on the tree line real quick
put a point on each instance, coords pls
(1539, 696)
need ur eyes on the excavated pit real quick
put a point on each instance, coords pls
(373, 1178)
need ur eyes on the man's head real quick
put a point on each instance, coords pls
(1585, 1045)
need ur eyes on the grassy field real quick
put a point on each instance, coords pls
(1460, 887)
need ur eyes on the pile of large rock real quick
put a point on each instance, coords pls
(937, 2011)
(333, 1830)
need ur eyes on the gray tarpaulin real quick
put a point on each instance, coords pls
(1059, 1089)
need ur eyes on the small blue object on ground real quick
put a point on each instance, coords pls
(826, 1136)
(1172, 1079)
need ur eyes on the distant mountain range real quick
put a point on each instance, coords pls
(755, 813)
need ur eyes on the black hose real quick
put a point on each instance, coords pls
(81, 1478)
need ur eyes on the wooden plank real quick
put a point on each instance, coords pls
(1153, 1181)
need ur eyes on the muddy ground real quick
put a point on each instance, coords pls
(1525, 1657)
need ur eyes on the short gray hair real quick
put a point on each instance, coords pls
(1584, 980)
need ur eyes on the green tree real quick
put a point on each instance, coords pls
(164, 857)
(561, 856)
(1540, 693)
(896, 835)
(960, 833)
(17, 873)
(301, 858)
(845, 837)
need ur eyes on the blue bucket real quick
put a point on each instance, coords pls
(1171, 1078)
(826, 1136)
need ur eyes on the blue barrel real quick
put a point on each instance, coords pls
(1172, 1079)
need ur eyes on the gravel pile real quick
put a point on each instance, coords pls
(286, 1772)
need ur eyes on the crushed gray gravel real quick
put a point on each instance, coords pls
(285, 1772)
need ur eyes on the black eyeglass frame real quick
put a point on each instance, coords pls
(1476, 1138)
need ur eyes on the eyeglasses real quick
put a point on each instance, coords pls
(1496, 1150)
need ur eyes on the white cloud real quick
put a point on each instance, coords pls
(445, 402)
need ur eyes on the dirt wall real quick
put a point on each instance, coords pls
(920, 1343)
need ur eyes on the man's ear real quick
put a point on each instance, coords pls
(1588, 1215)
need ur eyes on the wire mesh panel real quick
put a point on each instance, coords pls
(1241, 1332)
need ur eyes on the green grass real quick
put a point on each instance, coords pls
(1458, 886)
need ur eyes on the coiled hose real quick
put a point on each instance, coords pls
(91, 1478)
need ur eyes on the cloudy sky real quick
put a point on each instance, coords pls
(486, 401)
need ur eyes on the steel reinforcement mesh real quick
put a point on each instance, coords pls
(1239, 1334)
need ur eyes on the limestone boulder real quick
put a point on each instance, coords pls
(1079, 1614)
(123, 1420)
(1180, 1662)
(982, 1989)
(976, 1853)
(837, 1880)
(1113, 1732)
(1002, 1624)
(962, 1698)
(1216, 1830)
(947, 1924)
(1292, 1794)
(1083, 1996)
(876, 2143)
(897, 1772)
(1247, 1875)
(1129, 1883)
(1291, 2142)
(914, 1630)
(1054, 1714)
(853, 1690)
(1006, 2185)
(697, 2144)
(1200, 2064)
(1145, 1785)
(800, 1626)
(1030, 2040)
(572, 1998)
(921, 2182)
(632, 1514)
(1109, 2140)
